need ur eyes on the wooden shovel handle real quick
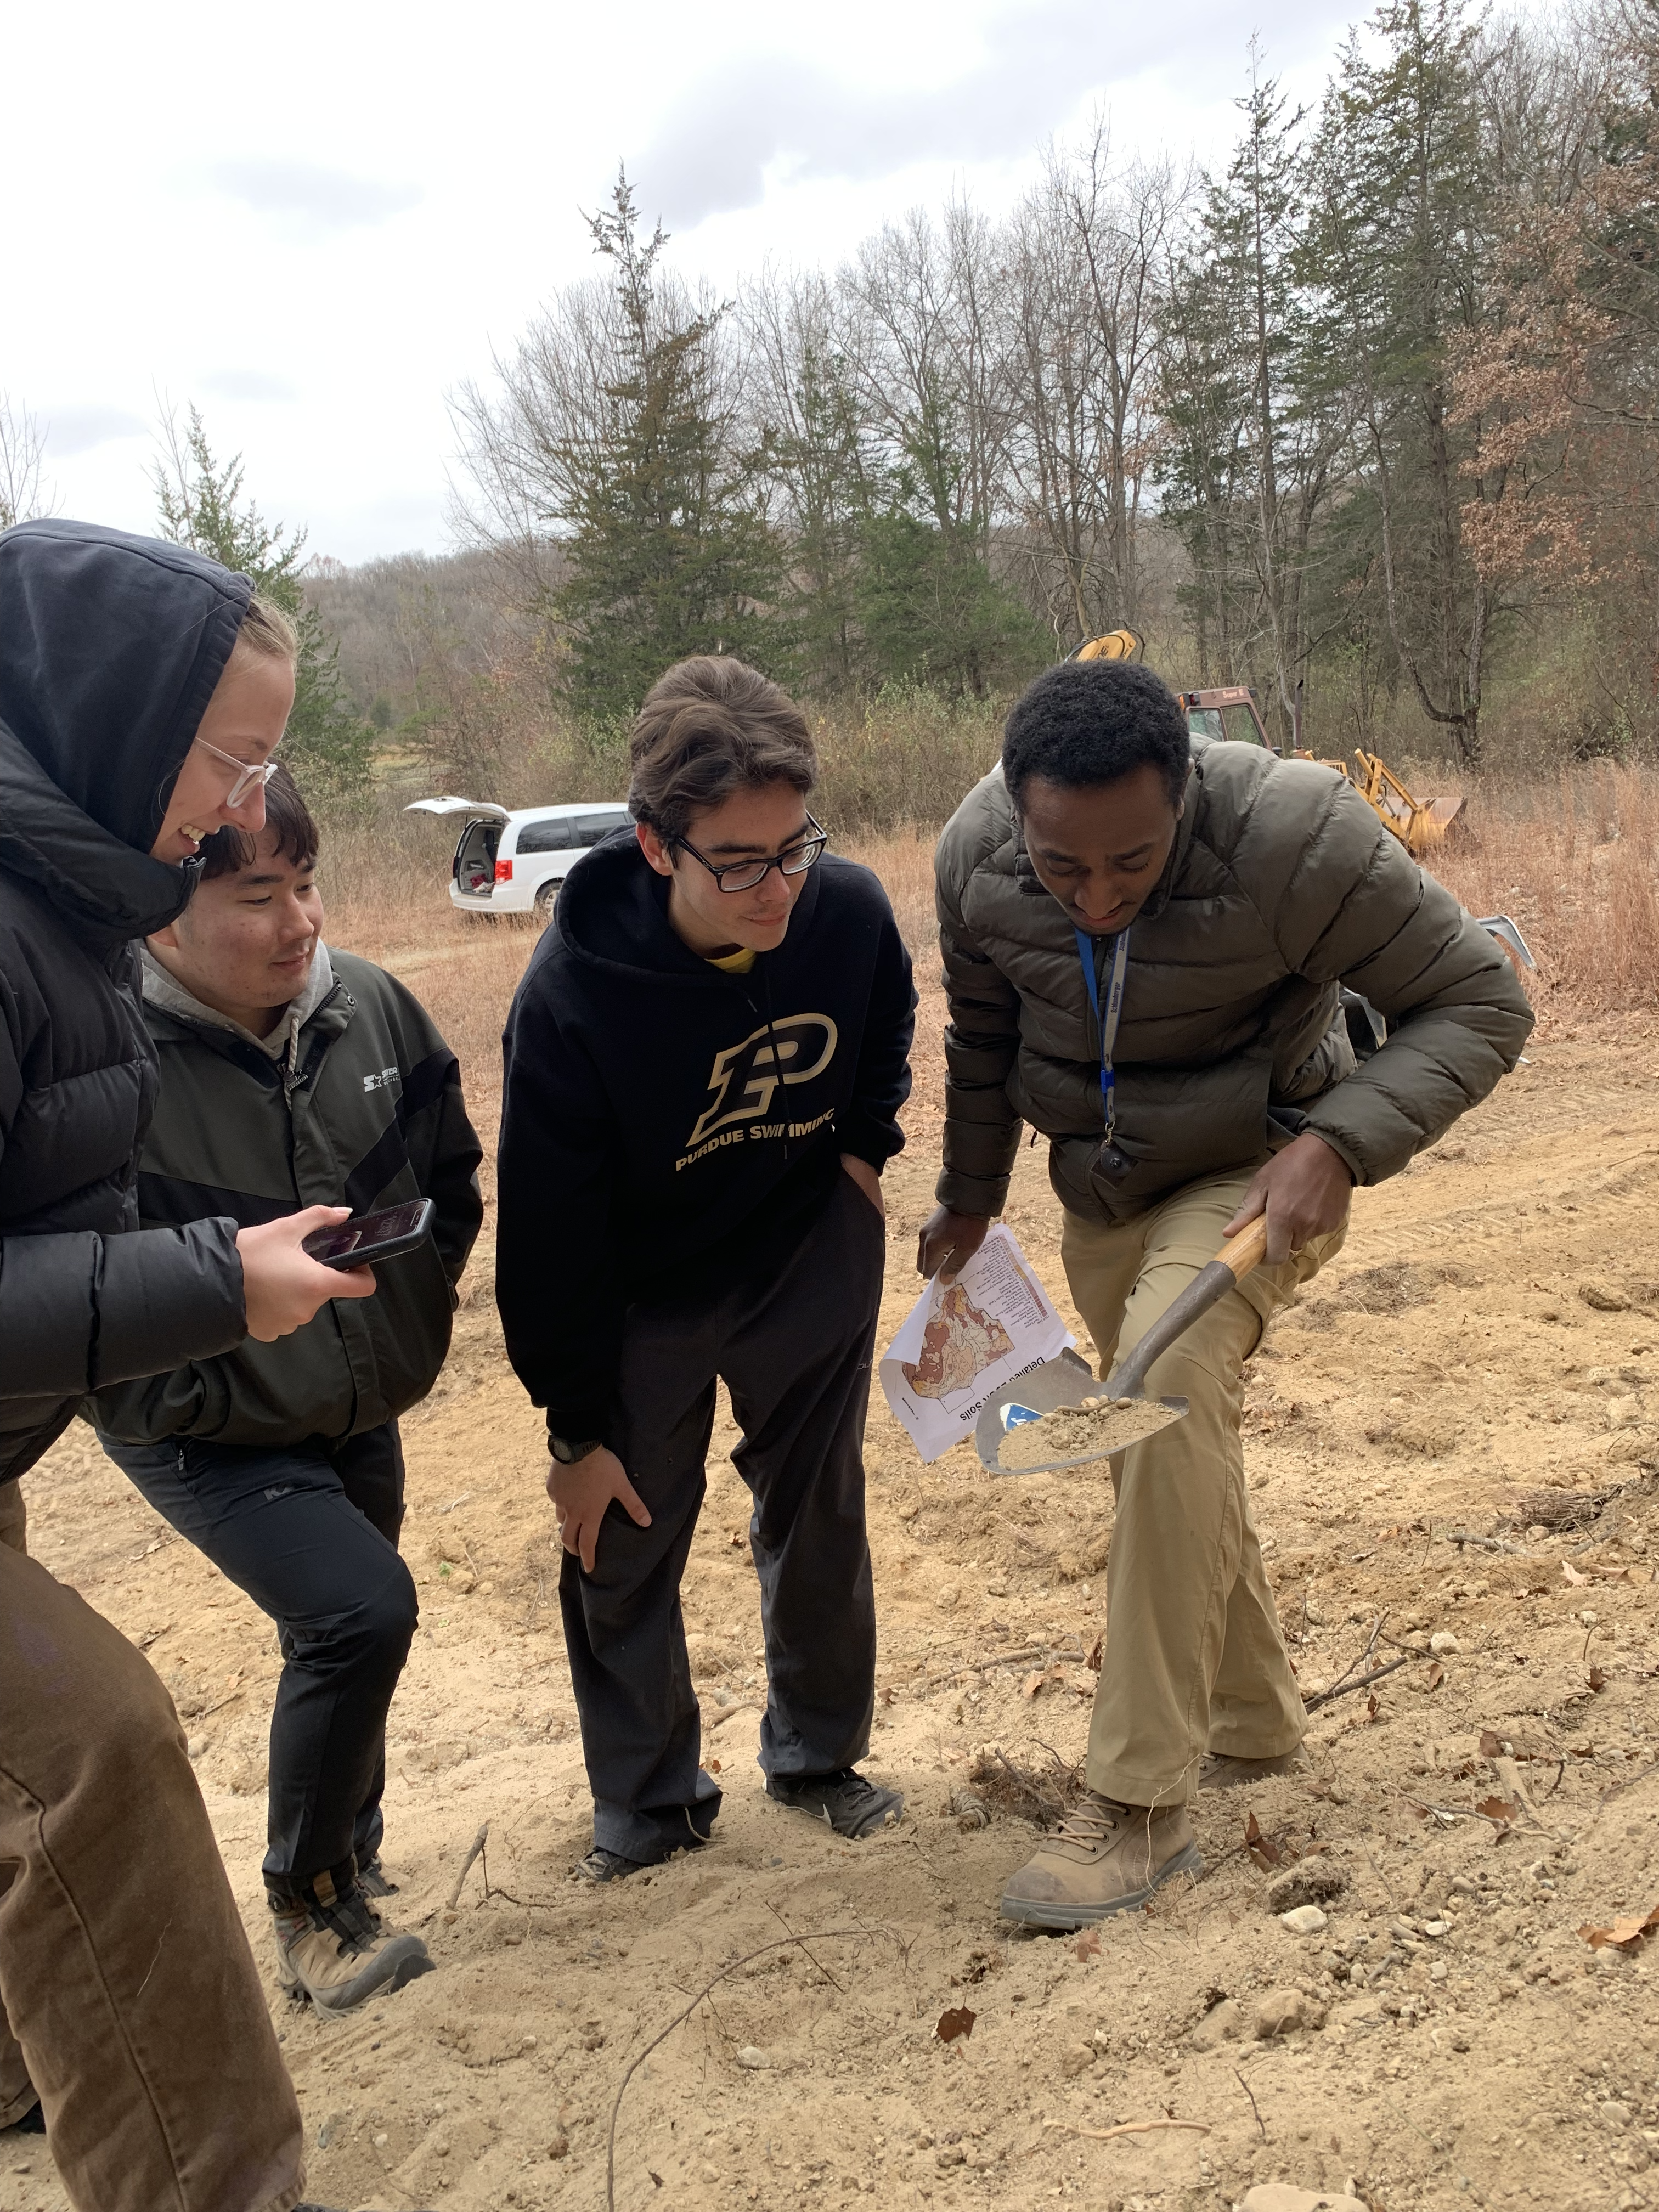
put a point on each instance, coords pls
(1235, 1259)
(1246, 1251)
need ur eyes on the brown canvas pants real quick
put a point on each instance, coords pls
(134, 2007)
(1195, 1659)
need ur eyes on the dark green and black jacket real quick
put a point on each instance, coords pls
(362, 1107)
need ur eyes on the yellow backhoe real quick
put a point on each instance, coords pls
(1232, 712)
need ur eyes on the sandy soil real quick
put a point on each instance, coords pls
(1492, 1330)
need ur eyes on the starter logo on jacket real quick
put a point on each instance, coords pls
(745, 1077)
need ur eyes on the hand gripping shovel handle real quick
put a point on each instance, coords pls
(1237, 1257)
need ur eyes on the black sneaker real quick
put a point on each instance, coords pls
(601, 1865)
(372, 1880)
(844, 1800)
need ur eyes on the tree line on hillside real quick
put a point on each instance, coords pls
(1387, 377)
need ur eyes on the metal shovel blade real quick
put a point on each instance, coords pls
(1067, 1381)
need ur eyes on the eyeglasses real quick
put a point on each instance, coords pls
(745, 875)
(249, 774)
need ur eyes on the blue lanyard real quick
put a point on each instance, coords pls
(1106, 1024)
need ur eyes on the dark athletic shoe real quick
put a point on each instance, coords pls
(33, 2122)
(372, 1880)
(844, 1801)
(601, 1865)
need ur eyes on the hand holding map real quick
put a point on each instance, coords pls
(962, 1340)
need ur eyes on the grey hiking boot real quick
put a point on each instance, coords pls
(1102, 1858)
(844, 1801)
(340, 1953)
(1217, 1770)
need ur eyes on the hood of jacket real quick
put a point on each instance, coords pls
(109, 648)
(163, 989)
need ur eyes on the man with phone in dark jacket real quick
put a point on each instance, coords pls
(293, 1074)
(705, 1064)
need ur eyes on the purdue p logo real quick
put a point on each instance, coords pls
(745, 1077)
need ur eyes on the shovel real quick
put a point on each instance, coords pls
(1069, 1380)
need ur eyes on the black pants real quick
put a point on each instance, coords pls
(792, 1345)
(309, 1531)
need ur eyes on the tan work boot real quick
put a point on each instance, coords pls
(1103, 1858)
(1219, 1770)
(340, 1953)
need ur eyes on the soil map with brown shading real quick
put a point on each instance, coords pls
(1451, 1442)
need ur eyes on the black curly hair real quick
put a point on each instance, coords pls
(1089, 722)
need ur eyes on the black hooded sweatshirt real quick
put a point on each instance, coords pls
(645, 1148)
(109, 648)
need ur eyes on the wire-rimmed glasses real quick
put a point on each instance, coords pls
(249, 773)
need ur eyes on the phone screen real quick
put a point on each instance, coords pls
(365, 1230)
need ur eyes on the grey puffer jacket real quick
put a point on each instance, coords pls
(109, 648)
(1282, 886)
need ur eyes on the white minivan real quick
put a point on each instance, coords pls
(512, 860)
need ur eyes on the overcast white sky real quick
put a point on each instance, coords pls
(315, 223)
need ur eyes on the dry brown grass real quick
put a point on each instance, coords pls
(1575, 861)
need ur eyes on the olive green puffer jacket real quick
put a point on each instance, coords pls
(1282, 886)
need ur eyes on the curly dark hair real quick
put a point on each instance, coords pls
(1089, 722)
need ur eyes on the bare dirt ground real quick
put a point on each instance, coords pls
(1490, 1333)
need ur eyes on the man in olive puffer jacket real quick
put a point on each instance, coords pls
(1145, 940)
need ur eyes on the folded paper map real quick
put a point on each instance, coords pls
(962, 1340)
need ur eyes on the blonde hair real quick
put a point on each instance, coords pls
(268, 630)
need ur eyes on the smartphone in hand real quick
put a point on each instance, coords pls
(369, 1238)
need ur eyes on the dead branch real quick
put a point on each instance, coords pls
(474, 1850)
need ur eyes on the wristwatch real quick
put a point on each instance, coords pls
(567, 1454)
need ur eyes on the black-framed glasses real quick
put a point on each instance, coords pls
(745, 875)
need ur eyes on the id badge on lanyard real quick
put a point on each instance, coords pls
(1106, 1019)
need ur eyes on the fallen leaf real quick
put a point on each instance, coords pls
(1572, 1573)
(1372, 1708)
(714, 1766)
(955, 2021)
(1625, 1934)
(1097, 1654)
(1088, 1944)
(1499, 1808)
(1032, 1683)
(1436, 1675)
(1262, 1848)
(1596, 1679)
(655, 2176)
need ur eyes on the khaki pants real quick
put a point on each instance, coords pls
(124, 1973)
(1194, 1660)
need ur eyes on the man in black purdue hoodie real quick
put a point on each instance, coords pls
(705, 1063)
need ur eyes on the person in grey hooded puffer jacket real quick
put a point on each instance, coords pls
(1145, 941)
(141, 691)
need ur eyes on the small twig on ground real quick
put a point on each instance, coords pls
(730, 1713)
(454, 1502)
(813, 1935)
(985, 1666)
(475, 1850)
(1128, 2128)
(1364, 1682)
(1629, 1783)
(1483, 1543)
(1254, 2107)
(1383, 1878)
(818, 1963)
